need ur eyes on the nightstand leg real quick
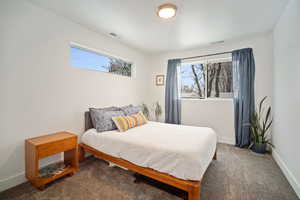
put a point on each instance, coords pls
(42, 187)
(71, 157)
(70, 174)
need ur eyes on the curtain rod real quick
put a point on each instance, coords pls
(215, 54)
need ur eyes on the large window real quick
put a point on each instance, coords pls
(206, 79)
(87, 59)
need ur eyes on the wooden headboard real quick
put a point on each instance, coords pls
(87, 121)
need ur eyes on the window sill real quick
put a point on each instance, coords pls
(208, 99)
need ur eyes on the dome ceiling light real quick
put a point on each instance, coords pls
(166, 11)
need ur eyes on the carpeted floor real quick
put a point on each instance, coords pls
(237, 174)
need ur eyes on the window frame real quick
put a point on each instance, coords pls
(204, 62)
(102, 53)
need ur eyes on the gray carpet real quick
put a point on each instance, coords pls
(237, 174)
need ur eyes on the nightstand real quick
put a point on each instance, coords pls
(47, 145)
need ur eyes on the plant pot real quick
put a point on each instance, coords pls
(259, 148)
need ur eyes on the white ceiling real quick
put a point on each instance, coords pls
(198, 22)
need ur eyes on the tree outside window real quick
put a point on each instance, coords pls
(206, 80)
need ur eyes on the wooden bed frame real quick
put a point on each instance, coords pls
(191, 187)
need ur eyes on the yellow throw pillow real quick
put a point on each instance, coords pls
(130, 121)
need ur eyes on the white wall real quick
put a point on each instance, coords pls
(40, 92)
(286, 134)
(217, 114)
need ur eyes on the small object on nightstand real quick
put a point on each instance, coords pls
(47, 145)
(53, 169)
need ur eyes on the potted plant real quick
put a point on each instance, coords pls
(157, 110)
(260, 124)
(145, 110)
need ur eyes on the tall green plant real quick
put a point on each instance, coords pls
(260, 124)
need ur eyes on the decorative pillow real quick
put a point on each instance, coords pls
(126, 122)
(93, 112)
(130, 109)
(103, 120)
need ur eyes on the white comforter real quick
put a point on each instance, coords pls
(181, 151)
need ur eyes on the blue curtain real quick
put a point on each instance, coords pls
(172, 99)
(243, 88)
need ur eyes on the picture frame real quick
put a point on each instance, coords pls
(160, 80)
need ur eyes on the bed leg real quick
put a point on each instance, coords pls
(137, 178)
(81, 153)
(194, 192)
(215, 156)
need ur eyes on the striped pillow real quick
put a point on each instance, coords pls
(126, 122)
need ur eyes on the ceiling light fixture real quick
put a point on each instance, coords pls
(166, 11)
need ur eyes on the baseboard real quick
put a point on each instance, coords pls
(288, 174)
(226, 140)
(12, 181)
(19, 178)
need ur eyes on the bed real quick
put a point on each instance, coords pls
(173, 154)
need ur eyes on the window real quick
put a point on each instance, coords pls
(206, 79)
(87, 59)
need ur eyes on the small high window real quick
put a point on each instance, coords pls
(87, 59)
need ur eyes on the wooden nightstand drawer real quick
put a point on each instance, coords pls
(56, 147)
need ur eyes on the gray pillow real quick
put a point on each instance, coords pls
(93, 112)
(103, 120)
(130, 109)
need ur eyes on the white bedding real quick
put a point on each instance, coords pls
(181, 151)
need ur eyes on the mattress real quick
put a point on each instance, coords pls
(181, 151)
